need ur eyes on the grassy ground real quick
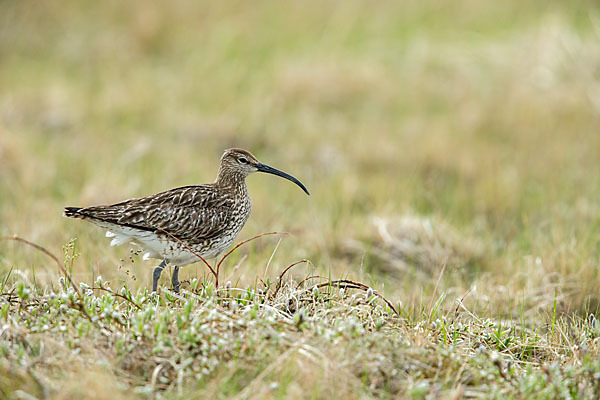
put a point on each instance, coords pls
(452, 151)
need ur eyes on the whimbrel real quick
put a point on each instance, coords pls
(204, 218)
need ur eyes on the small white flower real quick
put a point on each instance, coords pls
(228, 285)
(369, 293)
(494, 356)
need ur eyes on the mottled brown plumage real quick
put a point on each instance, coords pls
(205, 218)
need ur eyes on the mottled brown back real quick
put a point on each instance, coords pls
(190, 213)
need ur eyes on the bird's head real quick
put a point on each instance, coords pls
(241, 163)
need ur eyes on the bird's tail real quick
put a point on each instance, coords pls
(73, 212)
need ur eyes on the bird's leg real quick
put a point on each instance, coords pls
(175, 279)
(156, 274)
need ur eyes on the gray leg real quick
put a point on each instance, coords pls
(156, 274)
(175, 279)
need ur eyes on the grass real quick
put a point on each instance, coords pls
(452, 156)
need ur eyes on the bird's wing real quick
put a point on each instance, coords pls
(189, 213)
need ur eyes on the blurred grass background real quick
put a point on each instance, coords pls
(460, 133)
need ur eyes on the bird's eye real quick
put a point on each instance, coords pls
(243, 160)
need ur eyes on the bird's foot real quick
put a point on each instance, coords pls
(156, 274)
(175, 280)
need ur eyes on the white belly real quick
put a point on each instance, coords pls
(159, 247)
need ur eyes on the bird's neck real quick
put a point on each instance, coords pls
(232, 180)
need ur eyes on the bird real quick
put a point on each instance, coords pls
(168, 225)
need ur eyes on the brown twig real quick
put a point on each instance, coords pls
(60, 266)
(235, 248)
(190, 249)
(10, 295)
(343, 283)
(35, 246)
(280, 279)
(306, 279)
(46, 252)
(214, 271)
(459, 302)
(118, 295)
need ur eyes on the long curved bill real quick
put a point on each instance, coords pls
(270, 170)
